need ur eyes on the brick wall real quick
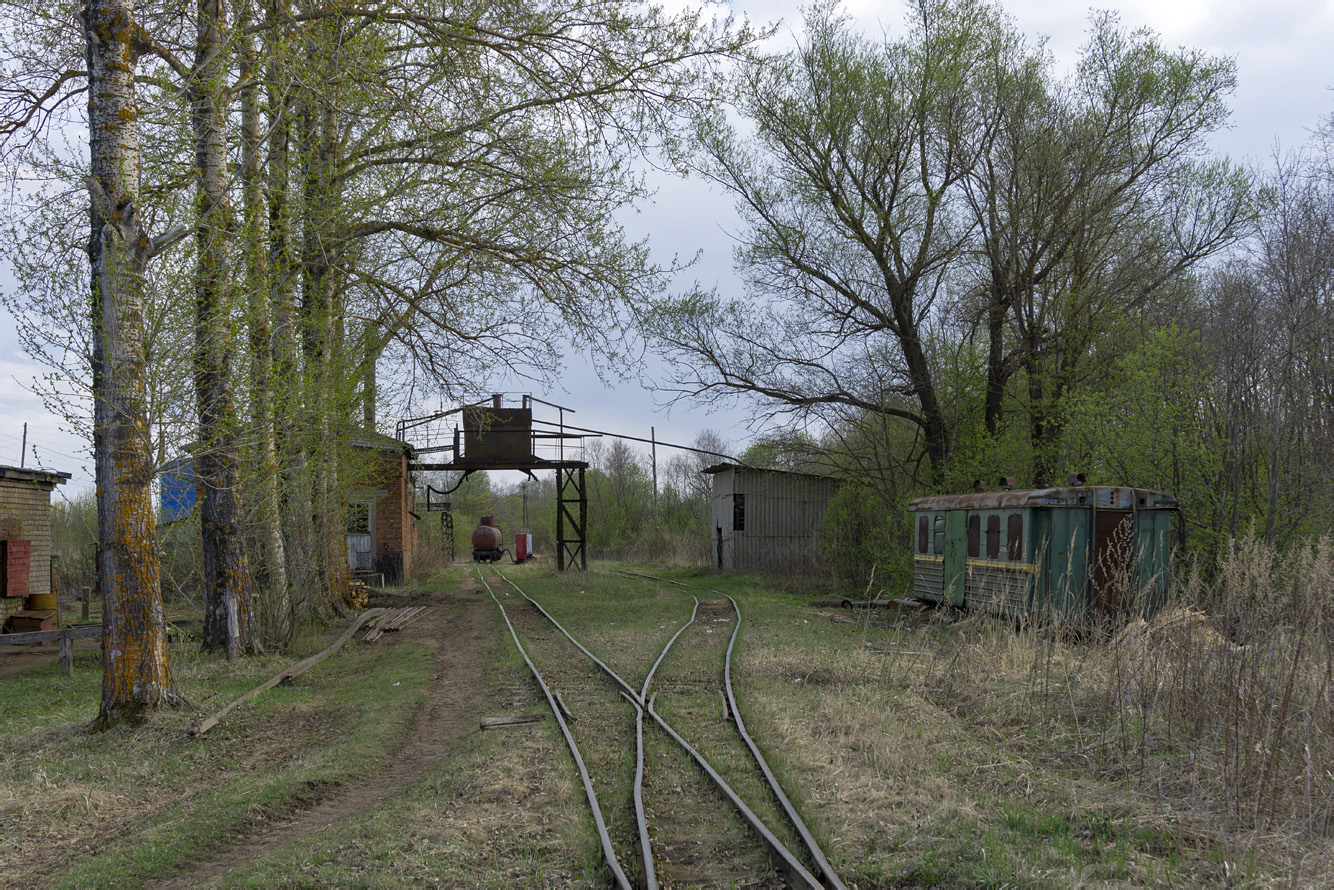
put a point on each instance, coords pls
(395, 534)
(25, 514)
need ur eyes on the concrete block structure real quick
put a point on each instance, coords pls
(25, 536)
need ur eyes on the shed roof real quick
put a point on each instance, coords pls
(49, 478)
(380, 442)
(1065, 496)
(723, 467)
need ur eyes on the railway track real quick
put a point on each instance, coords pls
(682, 822)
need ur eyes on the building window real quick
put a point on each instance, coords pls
(923, 533)
(738, 512)
(358, 518)
(974, 536)
(940, 535)
(993, 537)
(1014, 537)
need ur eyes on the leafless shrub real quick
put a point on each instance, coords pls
(1237, 672)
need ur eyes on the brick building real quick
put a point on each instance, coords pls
(25, 536)
(381, 527)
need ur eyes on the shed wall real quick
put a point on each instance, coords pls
(29, 505)
(382, 481)
(782, 515)
(395, 535)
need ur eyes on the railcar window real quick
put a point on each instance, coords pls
(939, 548)
(974, 536)
(738, 512)
(993, 537)
(1014, 534)
(923, 533)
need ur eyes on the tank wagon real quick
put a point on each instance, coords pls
(486, 541)
(1076, 553)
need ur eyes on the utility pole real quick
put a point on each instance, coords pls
(653, 437)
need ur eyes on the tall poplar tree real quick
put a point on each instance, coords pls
(136, 672)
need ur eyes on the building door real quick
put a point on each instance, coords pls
(360, 541)
(956, 541)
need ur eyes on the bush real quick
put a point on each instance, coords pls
(862, 537)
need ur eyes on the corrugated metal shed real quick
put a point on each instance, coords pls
(766, 519)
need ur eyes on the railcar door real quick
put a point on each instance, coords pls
(956, 544)
(1113, 562)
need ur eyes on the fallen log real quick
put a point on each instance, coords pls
(294, 671)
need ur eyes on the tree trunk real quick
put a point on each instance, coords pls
(997, 374)
(935, 431)
(229, 619)
(289, 440)
(136, 672)
(319, 327)
(274, 609)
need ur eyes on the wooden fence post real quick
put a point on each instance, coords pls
(67, 654)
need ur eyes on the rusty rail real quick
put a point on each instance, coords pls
(608, 852)
(797, 874)
(830, 878)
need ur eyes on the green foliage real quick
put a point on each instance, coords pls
(1147, 426)
(620, 499)
(863, 541)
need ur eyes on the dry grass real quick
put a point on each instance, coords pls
(138, 800)
(1232, 685)
(1197, 746)
(1194, 748)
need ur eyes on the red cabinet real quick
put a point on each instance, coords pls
(15, 566)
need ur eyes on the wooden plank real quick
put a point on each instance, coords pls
(82, 632)
(294, 671)
(395, 620)
(406, 617)
(517, 720)
(377, 628)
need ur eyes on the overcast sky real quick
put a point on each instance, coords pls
(1282, 52)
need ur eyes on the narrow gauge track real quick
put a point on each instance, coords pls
(678, 793)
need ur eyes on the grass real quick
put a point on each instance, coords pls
(142, 801)
(503, 810)
(922, 748)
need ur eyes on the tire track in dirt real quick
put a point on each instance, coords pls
(461, 627)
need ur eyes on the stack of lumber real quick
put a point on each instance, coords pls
(393, 620)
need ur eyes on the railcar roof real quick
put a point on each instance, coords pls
(1107, 496)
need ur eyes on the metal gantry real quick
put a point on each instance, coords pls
(571, 518)
(496, 437)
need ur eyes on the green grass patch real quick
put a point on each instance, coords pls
(140, 801)
(929, 748)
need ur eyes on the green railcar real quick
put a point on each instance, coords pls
(1076, 553)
